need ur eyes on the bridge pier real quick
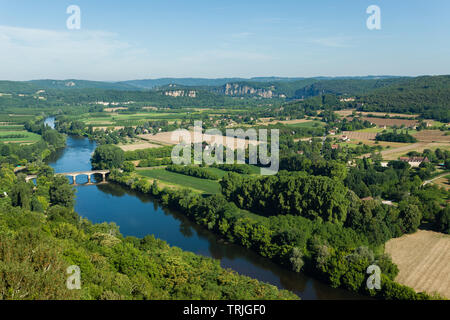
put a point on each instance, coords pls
(74, 175)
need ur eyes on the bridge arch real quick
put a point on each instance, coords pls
(74, 175)
(89, 175)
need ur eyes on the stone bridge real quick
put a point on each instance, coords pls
(74, 175)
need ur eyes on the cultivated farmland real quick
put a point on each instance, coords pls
(386, 122)
(424, 261)
(360, 136)
(138, 146)
(431, 136)
(349, 112)
(170, 138)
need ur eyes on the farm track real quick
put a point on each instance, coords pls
(436, 178)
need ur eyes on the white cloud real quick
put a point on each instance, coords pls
(97, 55)
(36, 53)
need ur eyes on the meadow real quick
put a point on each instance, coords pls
(12, 129)
(19, 137)
(172, 179)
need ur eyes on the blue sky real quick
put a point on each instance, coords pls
(136, 39)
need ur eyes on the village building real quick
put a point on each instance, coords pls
(414, 162)
(345, 138)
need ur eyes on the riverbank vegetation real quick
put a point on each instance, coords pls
(41, 235)
(337, 254)
(46, 141)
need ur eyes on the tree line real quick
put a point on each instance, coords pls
(337, 254)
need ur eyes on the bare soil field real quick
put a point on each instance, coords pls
(382, 122)
(302, 139)
(431, 136)
(361, 136)
(394, 154)
(397, 149)
(163, 138)
(22, 143)
(105, 128)
(349, 112)
(138, 146)
(424, 261)
(428, 139)
(114, 109)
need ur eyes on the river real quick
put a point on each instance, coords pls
(139, 215)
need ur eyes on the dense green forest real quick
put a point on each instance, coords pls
(427, 96)
(344, 87)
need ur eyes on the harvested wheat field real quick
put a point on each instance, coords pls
(431, 136)
(395, 153)
(355, 135)
(114, 109)
(424, 261)
(386, 122)
(138, 146)
(349, 112)
(107, 128)
(174, 137)
(163, 137)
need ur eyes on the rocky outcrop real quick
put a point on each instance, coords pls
(236, 89)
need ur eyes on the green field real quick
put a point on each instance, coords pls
(11, 128)
(217, 172)
(221, 173)
(19, 136)
(12, 119)
(181, 180)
